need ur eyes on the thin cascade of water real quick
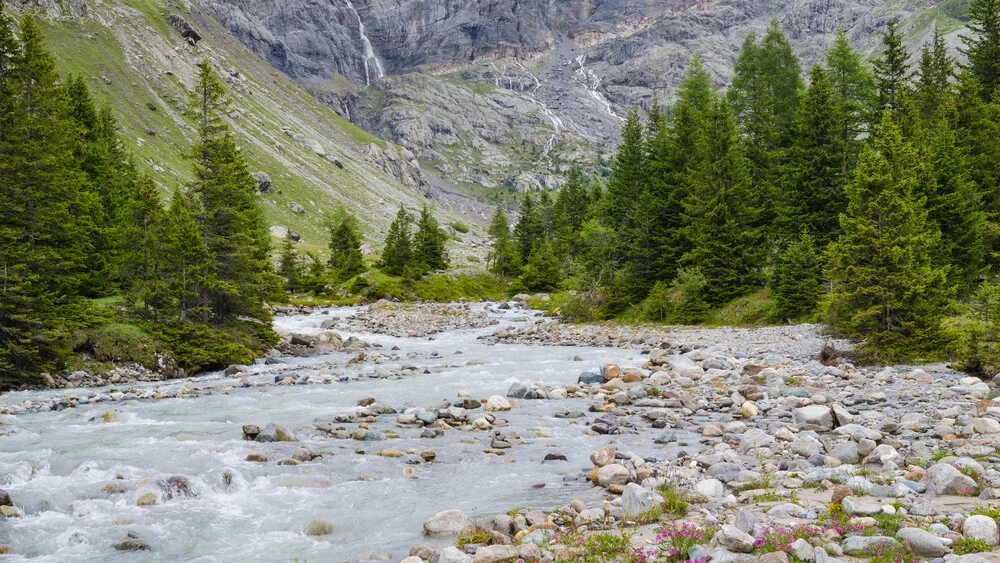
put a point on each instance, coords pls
(369, 51)
(592, 82)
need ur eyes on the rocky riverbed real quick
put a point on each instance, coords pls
(392, 429)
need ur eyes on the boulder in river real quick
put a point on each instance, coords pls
(132, 544)
(496, 403)
(319, 528)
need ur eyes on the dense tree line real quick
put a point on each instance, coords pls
(411, 250)
(81, 227)
(866, 195)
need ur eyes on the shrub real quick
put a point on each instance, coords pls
(675, 541)
(689, 305)
(964, 546)
(197, 347)
(117, 342)
(674, 504)
(459, 226)
(478, 535)
(891, 553)
(979, 345)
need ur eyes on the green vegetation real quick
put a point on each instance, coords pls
(964, 546)
(89, 258)
(478, 535)
(866, 198)
(674, 505)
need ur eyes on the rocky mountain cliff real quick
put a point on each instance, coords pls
(505, 93)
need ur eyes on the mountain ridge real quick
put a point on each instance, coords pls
(464, 75)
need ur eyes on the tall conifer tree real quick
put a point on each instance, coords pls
(888, 290)
(982, 45)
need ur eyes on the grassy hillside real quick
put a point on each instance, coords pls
(135, 60)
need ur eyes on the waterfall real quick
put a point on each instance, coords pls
(369, 52)
(592, 82)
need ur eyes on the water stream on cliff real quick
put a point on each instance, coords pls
(592, 82)
(369, 51)
(55, 464)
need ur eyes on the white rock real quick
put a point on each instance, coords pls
(637, 500)
(735, 540)
(981, 528)
(613, 474)
(986, 426)
(447, 522)
(452, 554)
(496, 403)
(711, 488)
(815, 415)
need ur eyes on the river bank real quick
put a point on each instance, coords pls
(483, 408)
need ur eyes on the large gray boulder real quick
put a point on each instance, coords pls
(637, 500)
(981, 528)
(613, 474)
(447, 522)
(735, 540)
(820, 416)
(944, 479)
(452, 554)
(922, 542)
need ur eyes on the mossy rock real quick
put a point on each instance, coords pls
(319, 528)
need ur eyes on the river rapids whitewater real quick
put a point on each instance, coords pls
(54, 464)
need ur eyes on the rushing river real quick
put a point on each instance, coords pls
(54, 464)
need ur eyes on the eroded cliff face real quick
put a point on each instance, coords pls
(310, 39)
(503, 94)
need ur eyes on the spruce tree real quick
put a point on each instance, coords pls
(628, 175)
(765, 100)
(812, 194)
(503, 254)
(936, 71)
(720, 212)
(313, 278)
(796, 281)
(982, 45)
(887, 289)
(346, 258)
(397, 255)
(44, 206)
(954, 206)
(528, 230)
(289, 264)
(111, 182)
(671, 158)
(854, 97)
(141, 247)
(977, 127)
(764, 96)
(892, 70)
(569, 212)
(187, 264)
(234, 229)
(541, 270)
(622, 214)
(428, 243)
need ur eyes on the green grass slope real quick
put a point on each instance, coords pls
(134, 60)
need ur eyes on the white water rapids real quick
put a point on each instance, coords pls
(369, 51)
(54, 464)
